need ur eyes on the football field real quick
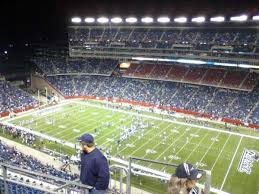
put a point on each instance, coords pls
(129, 133)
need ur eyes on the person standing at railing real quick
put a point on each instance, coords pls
(94, 166)
(184, 180)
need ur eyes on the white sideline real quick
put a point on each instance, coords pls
(131, 113)
(223, 148)
(171, 121)
(231, 163)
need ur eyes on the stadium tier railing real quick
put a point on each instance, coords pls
(142, 171)
(14, 180)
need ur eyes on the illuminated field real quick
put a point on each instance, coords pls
(217, 151)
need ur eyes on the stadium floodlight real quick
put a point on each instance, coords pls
(147, 20)
(256, 18)
(131, 20)
(116, 20)
(217, 19)
(76, 20)
(103, 20)
(89, 20)
(163, 19)
(180, 20)
(240, 18)
(200, 19)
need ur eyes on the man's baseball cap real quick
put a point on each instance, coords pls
(87, 138)
(186, 170)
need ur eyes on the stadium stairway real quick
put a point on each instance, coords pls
(39, 83)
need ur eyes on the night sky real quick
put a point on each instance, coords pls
(23, 21)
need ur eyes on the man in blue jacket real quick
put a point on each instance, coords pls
(94, 166)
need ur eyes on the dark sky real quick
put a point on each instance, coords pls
(28, 20)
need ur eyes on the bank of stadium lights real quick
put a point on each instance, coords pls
(240, 18)
(180, 20)
(217, 19)
(116, 20)
(163, 19)
(103, 20)
(256, 18)
(147, 20)
(76, 20)
(131, 20)
(89, 20)
(195, 62)
(200, 19)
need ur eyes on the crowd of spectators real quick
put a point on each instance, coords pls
(136, 37)
(203, 99)
(12, 98)
(76, 65)
(26, 138)
(16, 158)
(225, 78)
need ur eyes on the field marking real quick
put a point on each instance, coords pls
(208, 149)
(92, 123)
(134, 141)
(170, 125)
(32, 114)
(197, 131)
(33, 111)
(48, 130)
(176, 122)
(220, 153)
(173, 143)
(231, 163)
(198, 145)
(146, 132)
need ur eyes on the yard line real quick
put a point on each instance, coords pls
(208, 149)
(180, 123)
(220, 153)
(92, 123)
(148, 140)
(43, 124)
(161, 154)
(109, 120)
(231, 164)
(150, 130)
(72, 124)
(198, 145)
(182, 147)
(112, 131)
(40, 117)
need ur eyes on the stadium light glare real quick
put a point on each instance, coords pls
(200, 19)
(240, 18)
(217, 19)
(180, 20)
(256, 18)
(147, 20)
(76, 20)
(131, 20)
(116, 20)
(89, 20)
(163, 19)
(103, 20)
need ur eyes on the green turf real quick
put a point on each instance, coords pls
(200, 148)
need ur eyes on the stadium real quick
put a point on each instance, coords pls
(153, 91)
